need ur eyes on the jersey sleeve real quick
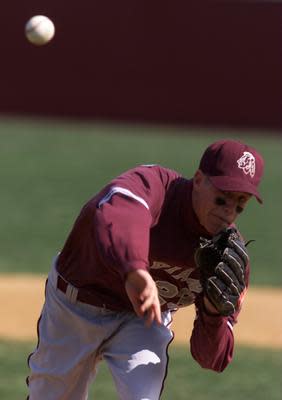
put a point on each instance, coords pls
(125, 214)
(212, 339)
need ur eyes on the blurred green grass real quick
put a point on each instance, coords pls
(253, 374)
(49, 168)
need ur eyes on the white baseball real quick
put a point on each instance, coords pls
(39, 30)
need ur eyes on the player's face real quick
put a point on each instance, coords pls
(215, 209)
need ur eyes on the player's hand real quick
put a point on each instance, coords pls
(143, 294)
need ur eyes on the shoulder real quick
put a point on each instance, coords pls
(149, 176)
(159, 172)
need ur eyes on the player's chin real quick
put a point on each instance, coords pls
(214, 225)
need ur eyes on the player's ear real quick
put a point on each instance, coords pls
(198, 178)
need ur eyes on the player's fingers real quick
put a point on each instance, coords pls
(225, 273)
(151, 307)
(150, 316)
(147, 303)
(147, 296)
(158, 314)
(136, 304)
(137, 309)
(235, 262)
(240, 249)
(153, 314)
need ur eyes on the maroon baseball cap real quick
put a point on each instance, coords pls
(233, 166)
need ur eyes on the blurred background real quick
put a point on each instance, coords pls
(215, 63)
(124, 83)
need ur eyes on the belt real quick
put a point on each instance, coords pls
(76, 294)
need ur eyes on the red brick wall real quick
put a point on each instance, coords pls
(165, 61)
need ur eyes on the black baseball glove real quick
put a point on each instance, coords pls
(222, 261)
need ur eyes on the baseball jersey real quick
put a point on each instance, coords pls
(144, 219)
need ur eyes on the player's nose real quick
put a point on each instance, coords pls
(230, 210)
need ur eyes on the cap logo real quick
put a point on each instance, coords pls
(247, 163)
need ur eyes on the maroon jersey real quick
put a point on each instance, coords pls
(144, 219)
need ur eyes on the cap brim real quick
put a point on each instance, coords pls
(230, 184)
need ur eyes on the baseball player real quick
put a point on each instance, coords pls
(129, 263)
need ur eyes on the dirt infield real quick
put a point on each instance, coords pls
(22, 296)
